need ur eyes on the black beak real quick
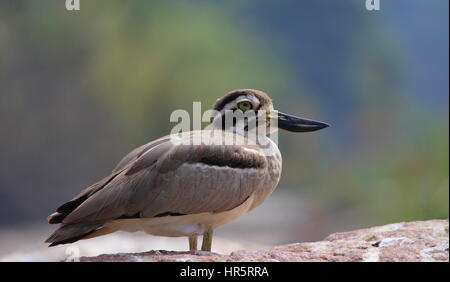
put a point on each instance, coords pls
(296, 124)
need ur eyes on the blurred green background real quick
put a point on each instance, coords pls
(79, 89)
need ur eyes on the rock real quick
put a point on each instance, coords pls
(407, 241)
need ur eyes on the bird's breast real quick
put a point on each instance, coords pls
(271, 177)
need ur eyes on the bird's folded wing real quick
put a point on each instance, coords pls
(177, 178)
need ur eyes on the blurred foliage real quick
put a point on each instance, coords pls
(88, 86)
(174, 53)
(80, 89)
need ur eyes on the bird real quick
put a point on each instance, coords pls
(175, 187)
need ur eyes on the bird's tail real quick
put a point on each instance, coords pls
(70, 233)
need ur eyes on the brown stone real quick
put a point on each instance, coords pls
(405, 241)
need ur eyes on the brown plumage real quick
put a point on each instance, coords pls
(174, 186)
(139, 177)
(264, 99)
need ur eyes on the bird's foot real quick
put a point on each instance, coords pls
(202, 253)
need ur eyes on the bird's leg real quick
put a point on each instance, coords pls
(207, 240)
(192, 243)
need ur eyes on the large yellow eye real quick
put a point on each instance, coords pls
(245, 106)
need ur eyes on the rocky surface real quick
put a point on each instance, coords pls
(407, 241)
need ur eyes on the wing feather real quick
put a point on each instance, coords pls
(166, 177)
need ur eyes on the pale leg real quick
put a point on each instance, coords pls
(192, 243)
(207, 240)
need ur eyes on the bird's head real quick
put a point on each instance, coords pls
(249, 108)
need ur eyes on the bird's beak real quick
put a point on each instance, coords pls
(296, 124)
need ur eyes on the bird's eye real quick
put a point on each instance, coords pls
(245, 106)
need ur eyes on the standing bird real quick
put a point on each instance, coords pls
(175, 187)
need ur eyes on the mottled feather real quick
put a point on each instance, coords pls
(166, 177)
